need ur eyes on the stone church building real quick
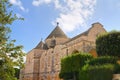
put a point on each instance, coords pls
(43, 62)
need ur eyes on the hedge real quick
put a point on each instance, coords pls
(103, 72)
(108, 44)
(70, 65)
(103, 60)
(117, 69)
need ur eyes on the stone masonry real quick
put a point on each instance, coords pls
(43, 62)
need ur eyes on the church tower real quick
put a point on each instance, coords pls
(57, 36)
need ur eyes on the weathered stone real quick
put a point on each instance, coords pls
(43, 62)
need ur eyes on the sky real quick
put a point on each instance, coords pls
(74, 17)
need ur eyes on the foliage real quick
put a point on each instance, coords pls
(70, 65)
(96, 72)
(10, 55)
(66, 75)
(17, 72)
(108, 44)
(117, 69)
(103, 60)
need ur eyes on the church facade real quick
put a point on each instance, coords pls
(43, 62)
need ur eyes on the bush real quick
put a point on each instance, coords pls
(103, 60)
(117, 69)
(103, 72)
(108, 44)
(70, 65)
(66, 75)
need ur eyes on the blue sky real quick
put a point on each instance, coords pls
(74, 17)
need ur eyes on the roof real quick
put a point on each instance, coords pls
(82, 34)
(57, 32)
(86, 32)
(40, 45)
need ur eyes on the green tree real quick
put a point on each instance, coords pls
(17, 72)
(10, 55)
(108, 44)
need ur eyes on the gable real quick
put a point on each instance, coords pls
(95, 30)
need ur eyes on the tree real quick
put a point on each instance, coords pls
(17, 73)
(108, 44)
(11, 56)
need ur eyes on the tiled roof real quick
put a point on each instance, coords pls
(57, 32)
(41, 45)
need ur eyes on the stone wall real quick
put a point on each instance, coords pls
(31, 70)
(45, 64)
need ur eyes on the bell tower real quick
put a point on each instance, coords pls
(57, 36)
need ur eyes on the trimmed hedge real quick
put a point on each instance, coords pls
(70, 65)
(108, 44)
(66, 75)
(117, 69)
(103, 60)
(103, 72)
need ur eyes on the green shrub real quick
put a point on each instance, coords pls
(108, 44)
(117, 69)
(70, 65)
(103, 60)
(66, 75)
(97, 72)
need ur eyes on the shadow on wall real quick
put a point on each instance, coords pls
(93, 52)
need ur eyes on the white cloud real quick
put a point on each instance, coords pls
(19, 4)
(38, 2)
(24, 57)
(73, 13)
(19, 15)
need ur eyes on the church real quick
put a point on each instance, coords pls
(43, 61)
